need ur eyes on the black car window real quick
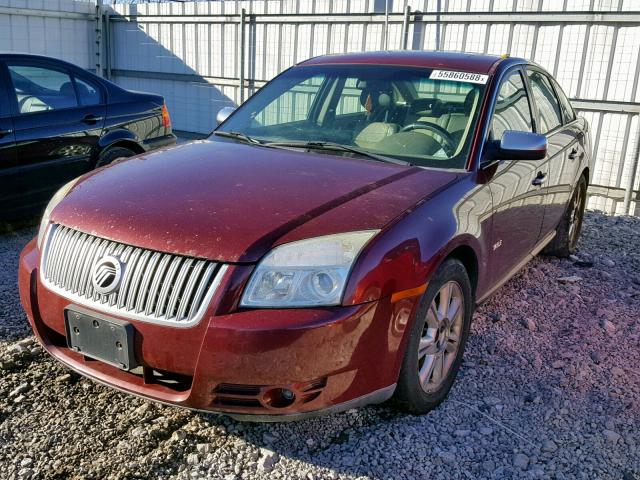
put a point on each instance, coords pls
(88, 92)
(39, 89)
(512, 110)
(568, 114)
(549, 115)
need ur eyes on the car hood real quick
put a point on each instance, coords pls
(232, 202)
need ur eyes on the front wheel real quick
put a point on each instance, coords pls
(570, 226)
(437, 339)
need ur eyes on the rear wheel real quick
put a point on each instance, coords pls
(436, 344)
(112, 154)
(570, 226)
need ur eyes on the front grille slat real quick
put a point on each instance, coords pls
(54, 242)
(177, 287)
(73, 258)
(146, 281)
(126, 278)
(166, 286)
(86, 265)
(155, 286)
(138, 268)
(202, 288)
(189, 289)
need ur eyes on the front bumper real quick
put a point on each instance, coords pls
(240, 363)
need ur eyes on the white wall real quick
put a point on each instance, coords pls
(71, 39)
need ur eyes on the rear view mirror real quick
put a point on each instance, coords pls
(516, 145)
(224, 113)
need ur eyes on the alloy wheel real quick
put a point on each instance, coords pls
(575, 216)
(441, 336)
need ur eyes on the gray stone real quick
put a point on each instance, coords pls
(611, 436)
(521, 461)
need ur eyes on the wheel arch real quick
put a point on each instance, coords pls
(469, 259)
(124, 143)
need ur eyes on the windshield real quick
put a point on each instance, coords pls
(413, 114)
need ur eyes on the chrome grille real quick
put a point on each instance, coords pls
(155, 286)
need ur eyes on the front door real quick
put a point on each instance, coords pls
(58, 116)
(516, 186)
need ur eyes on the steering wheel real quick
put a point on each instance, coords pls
(448, 144)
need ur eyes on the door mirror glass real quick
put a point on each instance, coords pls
(516, 145)
(224, 113)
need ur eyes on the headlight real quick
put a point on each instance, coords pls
(305, 273)
(55, 200)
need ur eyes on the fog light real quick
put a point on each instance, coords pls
(287, 394)
(278, 397)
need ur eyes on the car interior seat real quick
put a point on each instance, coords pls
(377, 102)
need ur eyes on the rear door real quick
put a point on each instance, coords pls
(516, 185)
(58, 117)
(565, 140)
(7, 141)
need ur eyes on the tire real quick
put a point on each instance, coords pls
(570, 226)
(112, 154)
(433, 331)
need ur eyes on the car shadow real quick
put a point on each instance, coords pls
(191, 97)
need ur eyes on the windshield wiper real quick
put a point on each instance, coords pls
(238, 136)
(339, 147)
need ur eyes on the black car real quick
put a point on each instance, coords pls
(58, 121)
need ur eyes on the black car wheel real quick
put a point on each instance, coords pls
(112, 154)
(570, 226)
(437, 339)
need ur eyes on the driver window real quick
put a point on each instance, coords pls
(39, 89)
(294, 105)
(512, 110)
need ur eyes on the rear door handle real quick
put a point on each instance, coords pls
(540, 179)
(573, 154)
(5, 132)
(91, 119)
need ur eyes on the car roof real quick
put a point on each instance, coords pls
(468, 62)
(33, 56)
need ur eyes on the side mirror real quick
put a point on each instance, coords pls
(224, 113)
(516, 145)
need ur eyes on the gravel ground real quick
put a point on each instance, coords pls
(550, 388)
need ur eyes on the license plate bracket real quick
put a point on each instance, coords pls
(101, 338)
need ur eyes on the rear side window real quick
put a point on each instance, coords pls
(568, 114)
(550, 116)
(512, 110)
(39, 89)
(88, 92)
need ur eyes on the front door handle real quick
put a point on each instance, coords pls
(573, 154)
(540, 179)
(91, 119)
(4, 132)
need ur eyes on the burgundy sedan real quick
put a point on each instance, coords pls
(325, 248)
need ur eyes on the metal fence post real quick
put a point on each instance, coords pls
(386, 25)
(241, 56)
(99, 47)
(107, 43)
(405, 27)
(438, 10)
